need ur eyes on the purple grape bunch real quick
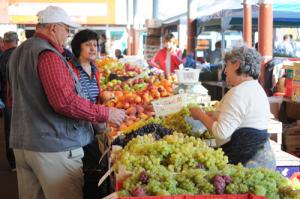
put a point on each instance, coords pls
(138, 192)
(157, 130)
(227, 179)
(144, 178)
(219, 184)
(200, 166)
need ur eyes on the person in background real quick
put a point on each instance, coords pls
(240, 127)
(294, 45)
(215, 57)
(29, 33)
(51, 117)
(285, 48)
(256, 46)
(168, 58)
(189, 61)
(102, 45)
(125, 51)
(1, 45)
(183, 56)
(118, 54)
(10, 41)
(84, 46)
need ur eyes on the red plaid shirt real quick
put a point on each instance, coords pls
(59, 87)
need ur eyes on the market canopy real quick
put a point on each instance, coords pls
(284, 15)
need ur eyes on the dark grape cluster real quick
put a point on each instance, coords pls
(138, 192)
(144, 178)
(157, 130)
(227, 179)
(200, 166)
(220, 183)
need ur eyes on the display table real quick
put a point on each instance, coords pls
(286, 163)
(275, 129)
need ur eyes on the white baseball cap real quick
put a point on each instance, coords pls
(54, 14)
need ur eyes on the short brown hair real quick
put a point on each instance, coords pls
(168, 37)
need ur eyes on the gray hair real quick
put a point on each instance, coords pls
(249, 60)
(10, 36)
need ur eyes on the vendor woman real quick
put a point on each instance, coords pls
(168, 58)
(241, 125)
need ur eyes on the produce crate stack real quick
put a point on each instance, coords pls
(292, 140)
(293, 81)
(153, 39)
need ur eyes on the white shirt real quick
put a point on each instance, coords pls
(215, 56)
(245, 105)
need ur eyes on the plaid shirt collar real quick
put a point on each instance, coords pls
(51, 42)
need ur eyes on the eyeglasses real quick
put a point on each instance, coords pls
(67, 28)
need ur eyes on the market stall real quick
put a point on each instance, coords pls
(159, 150)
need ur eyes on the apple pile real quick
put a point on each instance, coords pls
(135, 96)
(108, 66)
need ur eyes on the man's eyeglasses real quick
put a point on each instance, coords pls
(67, 28)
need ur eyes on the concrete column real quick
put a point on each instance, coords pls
(265, 35)
(129, 46)
(128, 28)
(155, 9)
(135, 31)
(247, 26)
(191, 27)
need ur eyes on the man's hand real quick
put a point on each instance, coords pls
(116, 116)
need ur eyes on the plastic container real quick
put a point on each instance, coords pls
(187, 75)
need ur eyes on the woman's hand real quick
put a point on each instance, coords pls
(198, 114)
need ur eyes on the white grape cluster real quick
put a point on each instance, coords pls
(180, 164)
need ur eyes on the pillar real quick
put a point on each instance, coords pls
(265, 35)
(135, 35)
(155, 9)
(247, 23)
(191, 27)
(128, 28)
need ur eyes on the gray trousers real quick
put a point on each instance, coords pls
(49, 175)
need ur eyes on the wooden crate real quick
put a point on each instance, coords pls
(291, 136)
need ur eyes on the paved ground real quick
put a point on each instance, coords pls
(8, 179)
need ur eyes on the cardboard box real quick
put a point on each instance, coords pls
(293, 110)
(153, 41)
(294, 150)
(291, 136)
(296, 71)
(154, 32)
(296, 92)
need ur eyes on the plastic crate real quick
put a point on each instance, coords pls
(119, 186)
(187, 75)
(225, 196)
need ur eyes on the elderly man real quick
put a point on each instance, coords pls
(10, 42)
(51, 117)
